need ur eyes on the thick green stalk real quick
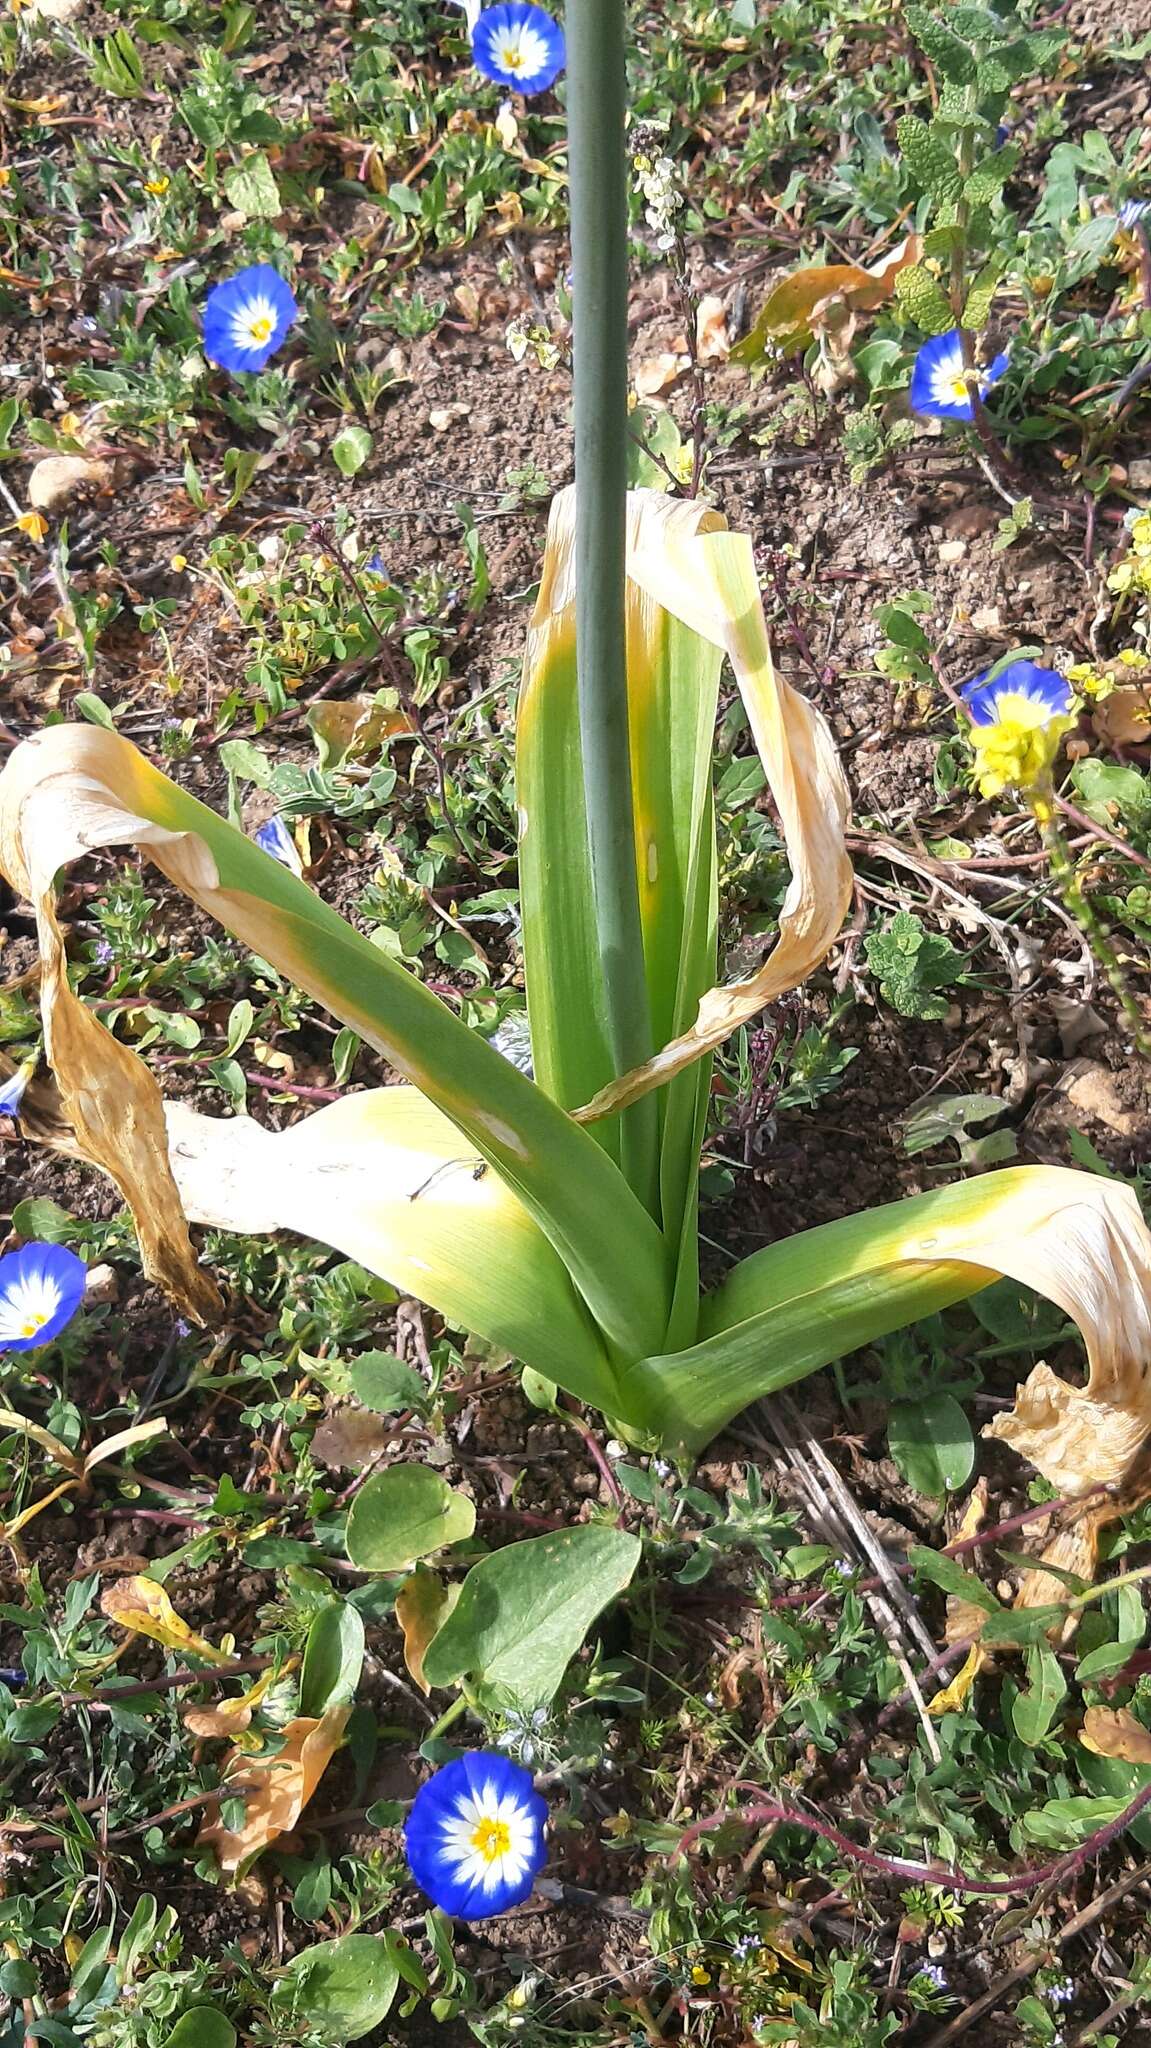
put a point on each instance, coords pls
(597, 166)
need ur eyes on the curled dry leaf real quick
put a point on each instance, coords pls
(141, 1605)
(58, 477)
(349, 1438)
(1124, 718)
(711, 338)
(275, 1789)
(656, 373)
(798, 306)
(682, 559)
(964, 1618)
(1114, 1731)
(56, 805)
(423, 1604)
(225, 1717)
(229, 1717)
(1084, 1246)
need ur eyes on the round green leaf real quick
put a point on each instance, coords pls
(403, 1514)
(342, 1989)
(202, 2026)
(351, 449)
(383, 1383)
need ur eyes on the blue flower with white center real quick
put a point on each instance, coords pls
(938, 385)
(274, 837)
(247, 317)
(475, 1836)
(518, 45)
(1133, 210)
(41, 1287)
(12, 1089)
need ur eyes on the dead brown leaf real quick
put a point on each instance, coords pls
(655, 373)
(349, 1439)
(1114, 1731)
(275, 1789)
(711, 337)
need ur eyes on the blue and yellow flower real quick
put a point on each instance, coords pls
(518, 45)
(475, 1836)
(1018, 719)
(939, 388)
(41, 1287)
(247, 317)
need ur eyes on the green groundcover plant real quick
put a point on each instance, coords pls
(555, 1216)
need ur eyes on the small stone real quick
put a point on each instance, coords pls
(102, 1284)
(952, 551)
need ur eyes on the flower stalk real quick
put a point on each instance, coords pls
(596, 107)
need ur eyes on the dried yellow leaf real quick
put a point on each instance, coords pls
(423, 1604)
(143, 1606)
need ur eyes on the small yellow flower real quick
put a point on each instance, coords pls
(1015, 754)
(157, 186)
(179, 563)
(33, 524)
(699, 1975)
(1088, 681)
(1018, 722)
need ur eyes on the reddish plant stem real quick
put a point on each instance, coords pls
(941, 1874)
(111, 1695)
(958, 1548)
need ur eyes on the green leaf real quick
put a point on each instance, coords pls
(341, 1989)
(653, 434)
(923, 300)
(9, 414)
(523, 1612)
(932, 1444)
(929, 159)
(351, 449)
(1062, 1823)
(404, 1514)
(202, 2026)
(333, 1659)
(1112, 1777)
(989, 177)
(93, 709)
(1103, 783)
(582, 1254)
(1021, 1624)
(950, 56)
(251, 188)
(1034, 1709)
(40, 1217)
(1101, 1663)
(951, 1577)
(980, 295)
(383, 1383)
